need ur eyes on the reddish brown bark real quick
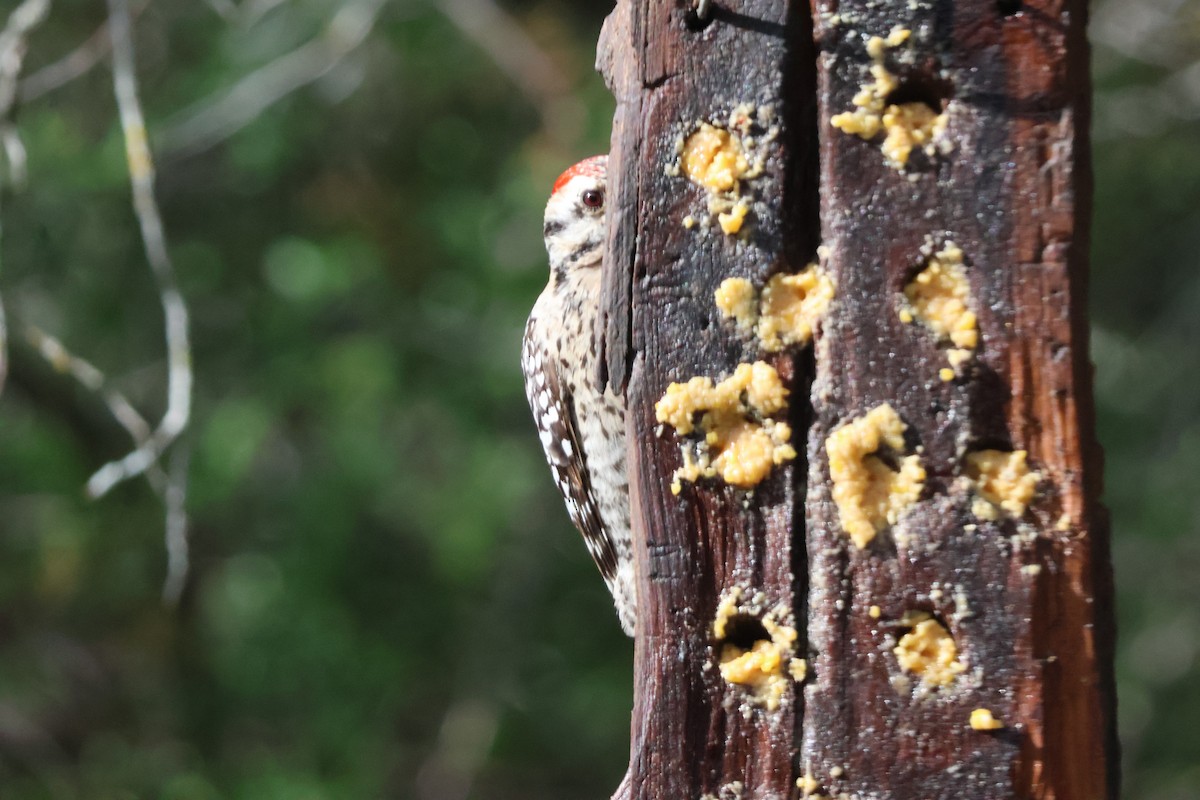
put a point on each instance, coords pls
(1028, 600)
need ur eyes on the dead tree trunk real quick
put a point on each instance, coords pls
(918, 604)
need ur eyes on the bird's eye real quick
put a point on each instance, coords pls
(593, 198)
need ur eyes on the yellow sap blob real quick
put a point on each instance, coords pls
(1002, 480)
(870, 494)
(983, 720)
(906, 126)
(939, 297)
(768, 666)
(787, 310)
(713, 157)
(741, 442)
(928, 651)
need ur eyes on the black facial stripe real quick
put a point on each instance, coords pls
(586, 250)
(553, 227)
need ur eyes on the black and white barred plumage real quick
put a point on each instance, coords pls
(582, 429)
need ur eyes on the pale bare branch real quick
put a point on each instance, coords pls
(90, 378)
(176, 535)
(224, 9)
(24, 18)
(1159, 32)
(141, 174)
(74, 64)
(149, 443)
(215, 119)
(14, 154)
(518, 56)
(170, 485)
(21, 22)
(495, 32)
(251, 11)
(467, 734)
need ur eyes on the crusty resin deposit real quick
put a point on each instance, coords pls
(714, 158)
(870, 494)
(982, 719)
(807, 784)
(769, 665)
(786, 311)
(928, 651)
(906, 126)
(741, 443)
(731, 220)
(939, 297)
(1002, 481)
(736, 298)
(721, 156)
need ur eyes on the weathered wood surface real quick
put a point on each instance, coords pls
(689, 737)
(1013, 191)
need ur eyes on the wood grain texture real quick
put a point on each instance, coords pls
(670, 74)
(1028, 601)
(1014, 193)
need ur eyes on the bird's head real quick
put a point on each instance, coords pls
(574, 225)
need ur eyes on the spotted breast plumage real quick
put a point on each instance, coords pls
(581, 426)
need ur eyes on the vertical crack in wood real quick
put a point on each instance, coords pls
(1026, 598)
(615, 60)
(694, 733)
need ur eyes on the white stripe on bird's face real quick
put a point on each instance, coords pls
(574, 225)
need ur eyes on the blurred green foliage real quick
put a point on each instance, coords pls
(386, 598)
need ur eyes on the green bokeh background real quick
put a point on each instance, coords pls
(386, 597)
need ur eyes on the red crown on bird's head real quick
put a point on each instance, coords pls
(593, 167)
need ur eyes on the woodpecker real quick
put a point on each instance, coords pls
(582, 428)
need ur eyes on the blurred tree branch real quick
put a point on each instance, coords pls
(214, 119)
(75, 64)
(23, 19)
(467, 734)
(95, 382)
(149, 443)
(518, 56)
(141, 175)
(1162, 34)
(170, 485)
(222, 8)
(176, 532)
